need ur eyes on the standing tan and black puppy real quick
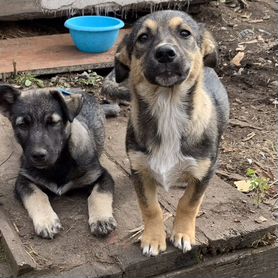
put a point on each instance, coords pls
(179, 112)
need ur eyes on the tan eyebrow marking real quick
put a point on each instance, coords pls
(175, 22)
(151, 24)
(55, 118)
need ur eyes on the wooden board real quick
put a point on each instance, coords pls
(74, 252)
(247, 263)
(50, 54)
(21, 262)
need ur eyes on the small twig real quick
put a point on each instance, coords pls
(273, 182)
(16, 228)
(239, 123)
(139, 230)
(249, 42)
(200, 214)
(4, 77)
(249, 136)
(256, 21)
(32, 251)
(30, 254)
(69, 228)
(232, 176)
(15, 70)
(260, 165)
(2, 163)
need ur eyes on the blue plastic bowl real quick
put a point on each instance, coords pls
(94, 34)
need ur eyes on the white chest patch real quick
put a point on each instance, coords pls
(166, 160)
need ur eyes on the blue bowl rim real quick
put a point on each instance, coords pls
(70, 25)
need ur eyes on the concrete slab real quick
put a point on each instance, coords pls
(27, 9)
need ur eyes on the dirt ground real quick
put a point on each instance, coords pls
(252, 87)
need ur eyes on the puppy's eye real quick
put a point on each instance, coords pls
(143, 38)
(185, 34)
(52, 123)
(21, 123)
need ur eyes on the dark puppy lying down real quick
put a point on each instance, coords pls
(179, 112)
(62, 138)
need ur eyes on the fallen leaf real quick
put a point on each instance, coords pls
(237, 59)
(240, 47)
(260, 220)
(243, 186)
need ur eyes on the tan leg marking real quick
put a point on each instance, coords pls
(183, 234)
(45, 220)
(154, 237)
(201, 169)
(100, 210)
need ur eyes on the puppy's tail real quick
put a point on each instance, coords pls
(111, 110)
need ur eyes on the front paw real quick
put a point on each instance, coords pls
(102, 226)
(153, 243)
(182, 241)
(47, 226)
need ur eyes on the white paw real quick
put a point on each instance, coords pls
(153, 246)
(102, 226)
(48, 225)
(181, 241)
(150, 250)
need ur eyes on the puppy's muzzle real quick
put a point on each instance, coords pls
(165, 54)
(39, 156)
(165, 66)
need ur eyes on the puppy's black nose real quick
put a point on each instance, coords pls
(39, 154)
(165, 54)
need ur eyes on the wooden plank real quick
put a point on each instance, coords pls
(21, 261)
(250, 263)
(74, 250)
(50, 54)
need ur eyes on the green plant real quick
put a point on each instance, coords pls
(93, 79)
(27, 80)
(259, 185)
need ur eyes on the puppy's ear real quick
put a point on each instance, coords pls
(122, 61)
(71, 104)
(208, 48)
(8, 96)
